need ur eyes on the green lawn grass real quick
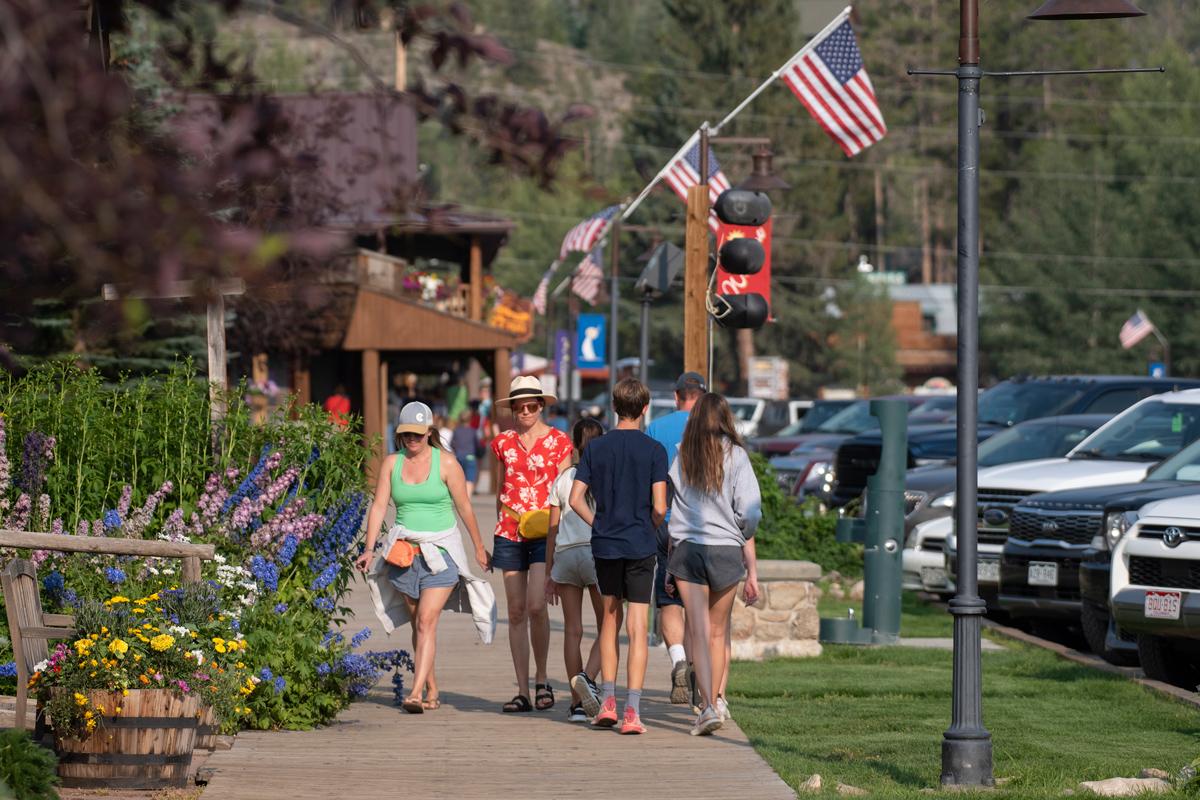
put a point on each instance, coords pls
(917, 618)
(874, 717)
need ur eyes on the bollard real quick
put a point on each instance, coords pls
(881, 533)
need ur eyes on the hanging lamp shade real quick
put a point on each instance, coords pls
(1087, 9)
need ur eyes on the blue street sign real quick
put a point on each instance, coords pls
(1158, 369)
(562, 348)
(591, 344)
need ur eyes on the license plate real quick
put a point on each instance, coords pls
(933, 576)
(1043, 573)
(1163, 605)
(987, 571)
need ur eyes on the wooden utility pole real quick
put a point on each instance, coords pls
(695, 281)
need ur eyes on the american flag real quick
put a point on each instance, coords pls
(829, 78)
(543, 288)
(589, 277)
(684, 173)
(1135, 329)
(583, 237)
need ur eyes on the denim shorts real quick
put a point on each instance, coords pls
(470, 467)
(713, 565)
(510, 556)
(411, 581)
(574, 566)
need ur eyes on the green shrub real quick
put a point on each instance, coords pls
(27, 769)
(799, 532)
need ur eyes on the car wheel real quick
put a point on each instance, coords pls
(1095, 620)
(1163, 660)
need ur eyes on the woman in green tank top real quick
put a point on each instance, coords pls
(427, 489)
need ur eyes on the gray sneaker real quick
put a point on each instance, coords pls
(708, 721)
(681, 692)
(723, 709)
(589, 693)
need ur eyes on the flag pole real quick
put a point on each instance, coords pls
(1165, 346)
(838, 20)
(637, 201)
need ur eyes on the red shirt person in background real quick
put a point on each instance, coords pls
(337, 405)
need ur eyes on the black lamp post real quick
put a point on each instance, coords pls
(967, 745)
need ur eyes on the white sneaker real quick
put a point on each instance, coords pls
(708, 721)
(723, 709)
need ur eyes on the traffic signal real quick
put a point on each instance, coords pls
(743, 255)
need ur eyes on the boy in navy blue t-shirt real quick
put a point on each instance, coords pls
(625, 473)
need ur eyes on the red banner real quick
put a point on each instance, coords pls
(746, 284)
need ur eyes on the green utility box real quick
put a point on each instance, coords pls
(881, 533)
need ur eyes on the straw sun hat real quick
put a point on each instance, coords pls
(525, 387)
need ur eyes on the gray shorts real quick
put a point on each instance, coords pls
(574, 566)
(716, 566)
(412, 580)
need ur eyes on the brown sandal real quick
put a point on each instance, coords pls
(431, 703)
(413, 706)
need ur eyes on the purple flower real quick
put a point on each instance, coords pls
(266, 674)
(322, 581)
(112, 519)
(280, 608)
(325, 604)
(266, 572)
(323, 668)
(114, 575)
(359, 638)
(280, 684)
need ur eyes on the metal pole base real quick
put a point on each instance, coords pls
(967, 745)
(967, 762)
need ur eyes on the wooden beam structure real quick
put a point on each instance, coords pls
(695, 282)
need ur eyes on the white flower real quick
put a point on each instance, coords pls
(220, 559)
(41, 665)
(199, 656)
(179, 631)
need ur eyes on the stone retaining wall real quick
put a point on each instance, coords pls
(784, 621)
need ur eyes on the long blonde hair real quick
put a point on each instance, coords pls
(709, 431)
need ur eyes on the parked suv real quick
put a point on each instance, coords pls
(1156, 589)
(1004, 405)
(1054, 537)
(929, 491)
(1122, 451)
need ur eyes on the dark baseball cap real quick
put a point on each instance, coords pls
(690, 382)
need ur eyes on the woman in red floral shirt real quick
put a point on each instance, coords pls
(530, 457)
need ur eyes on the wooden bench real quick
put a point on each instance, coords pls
(30, 628)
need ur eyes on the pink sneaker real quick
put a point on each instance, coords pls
(608, 714)
(632, 724)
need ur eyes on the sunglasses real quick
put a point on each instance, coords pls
(523, 408)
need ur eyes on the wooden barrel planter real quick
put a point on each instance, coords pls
(147, 746)
(207, 729)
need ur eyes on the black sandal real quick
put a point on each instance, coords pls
(544, 696)
(518, 704)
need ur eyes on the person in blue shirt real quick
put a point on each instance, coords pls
(626, 473)
(668, 431)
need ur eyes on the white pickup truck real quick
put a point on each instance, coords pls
(1122, 451)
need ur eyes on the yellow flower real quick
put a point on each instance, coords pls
(91, 724)
(162, 642)
(118, 708)
(95, 663)
(118, 646)
(115, 600)
(80, 700)
(240, 665)
(137, 656)
(147, 626)
(103, 629)
(220, 648)
(125, 693)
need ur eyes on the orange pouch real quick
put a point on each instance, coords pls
(402, 553)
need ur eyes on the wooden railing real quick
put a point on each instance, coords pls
(191, 554)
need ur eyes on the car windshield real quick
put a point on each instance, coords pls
(1032, 440)
(795, 429)
(1183, 466)
(820, 411)
(1009, 403)
(854, 418)
(937, 405)
(1150, 431)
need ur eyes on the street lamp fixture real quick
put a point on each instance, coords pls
(1087, 9)
(966, 744)
(762, 179)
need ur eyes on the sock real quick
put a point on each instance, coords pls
(634, 700)
(677, 653)
(610, 690)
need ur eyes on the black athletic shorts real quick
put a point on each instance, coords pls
(629, 579)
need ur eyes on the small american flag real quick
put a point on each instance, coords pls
(589, 277)
(684, 173)
(1135, 329)
(543, 288)
(583, 237)
(829, 78)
